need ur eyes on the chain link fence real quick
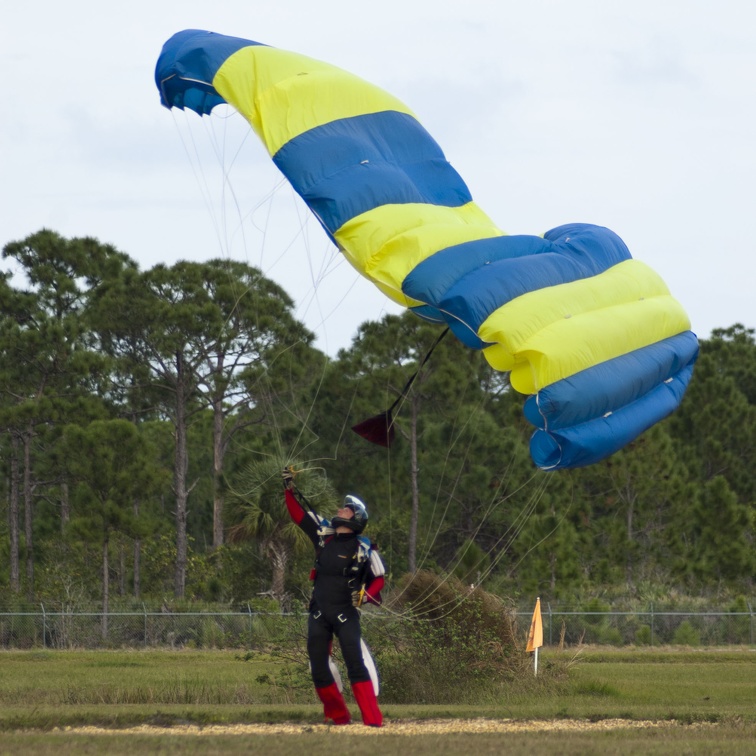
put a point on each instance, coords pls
(93, 630)
(247, 629)
(654, 627)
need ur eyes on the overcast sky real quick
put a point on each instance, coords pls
(639, 116)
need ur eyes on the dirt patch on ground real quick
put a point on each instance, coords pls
(400, 727)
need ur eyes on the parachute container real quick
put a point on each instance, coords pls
(591, 335)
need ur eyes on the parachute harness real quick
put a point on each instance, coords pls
(364, 555)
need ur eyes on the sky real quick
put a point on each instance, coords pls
(639, 116)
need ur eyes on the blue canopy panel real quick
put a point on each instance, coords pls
(467, 282)
(591, 415)
(431, 279)
(594, 440)
(595, 391)
(350, 166)
(187, 65)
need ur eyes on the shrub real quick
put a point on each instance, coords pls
(643, 635)
(447, 643)
(610, 636)
(686, 635)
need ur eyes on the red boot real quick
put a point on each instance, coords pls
(333, 704)
(364, 694)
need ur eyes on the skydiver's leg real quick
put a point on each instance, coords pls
(347, 629)
(319, 639)
(364, 695)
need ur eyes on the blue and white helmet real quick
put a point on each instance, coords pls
(356, 523)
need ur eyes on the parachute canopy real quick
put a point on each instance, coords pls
(592, 335)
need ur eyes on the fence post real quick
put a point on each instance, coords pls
(44, 626)
(144, 609)
(652, 623)
(548, 604)
(249, 609)
(750, 609)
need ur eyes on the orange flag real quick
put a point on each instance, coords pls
(535, 636)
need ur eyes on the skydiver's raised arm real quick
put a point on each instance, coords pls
(301, 514)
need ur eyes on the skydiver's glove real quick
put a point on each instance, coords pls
(287, 476)
(357, 598)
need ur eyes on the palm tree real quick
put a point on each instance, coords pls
(258, 512)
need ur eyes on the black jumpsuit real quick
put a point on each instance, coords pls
(332, 612)
(338, 573)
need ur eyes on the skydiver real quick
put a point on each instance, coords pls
(347, 573)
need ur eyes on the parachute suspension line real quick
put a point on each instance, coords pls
(513, 531)
(305, 422)
(193, 156)
(520, 522)
(549, 534)
(222, 222)
(523, 518)
(267, 203)
(225, 245)
(229, 220)
(330, 259)
(220, 148)
(304, 223)
(220, 219)
(451, 568)
(323, 315)
(390, 480)
(456, 435)
(316, 278)
(453, 604)
(428, 544)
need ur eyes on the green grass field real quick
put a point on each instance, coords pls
(703, 701)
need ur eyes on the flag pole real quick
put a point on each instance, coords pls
(535, 635)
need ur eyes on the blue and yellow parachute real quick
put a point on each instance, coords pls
(592, 335)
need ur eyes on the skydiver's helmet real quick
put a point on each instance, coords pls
(356, 523)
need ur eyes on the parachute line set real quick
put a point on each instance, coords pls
(591, 335)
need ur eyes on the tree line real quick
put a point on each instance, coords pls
(146, 414)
